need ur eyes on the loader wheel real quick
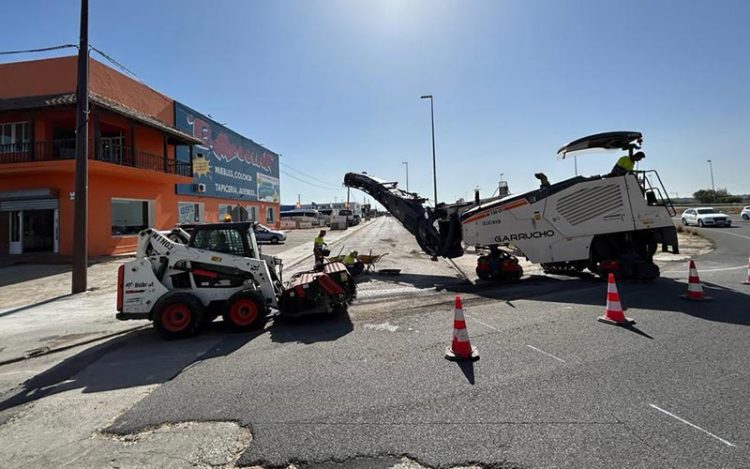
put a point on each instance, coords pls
(178, 315)
(245, 311)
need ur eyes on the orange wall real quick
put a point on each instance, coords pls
(38, 77)
(114, 85)
(106, 182)
(59, 75)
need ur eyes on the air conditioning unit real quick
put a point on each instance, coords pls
(200, 187)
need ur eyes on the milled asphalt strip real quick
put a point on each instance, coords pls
(350, 231)
(693, 425)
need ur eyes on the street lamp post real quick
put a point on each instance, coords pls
(432, 121)
(711, 167)
(406, 163)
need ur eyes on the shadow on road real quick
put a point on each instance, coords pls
(311, 329)
(420, 281)
(135, 359)
(663, 294)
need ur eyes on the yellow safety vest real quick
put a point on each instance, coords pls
(319, 242)
(349, 259)
(626, 163)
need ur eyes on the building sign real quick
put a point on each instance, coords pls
(226, 164)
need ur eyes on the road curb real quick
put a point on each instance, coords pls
(48, 351)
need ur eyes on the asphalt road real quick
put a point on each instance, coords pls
(553, 387)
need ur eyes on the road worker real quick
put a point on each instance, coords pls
(353, 264)
(626, 164)
(320, 249)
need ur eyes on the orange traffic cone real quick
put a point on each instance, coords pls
(747, 281)
(695, 287)
(460, 348)
(613, 314)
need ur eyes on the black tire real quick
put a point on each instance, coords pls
(746, 217)
(274, 240)
(245, 311)
(684, 222)
(178, 315)
(700, 223)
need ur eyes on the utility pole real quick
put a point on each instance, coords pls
(711, 167)
(348, 194)
(80, 222)
(406, 163)
(575, 163)
(299, 200)
(434, 170)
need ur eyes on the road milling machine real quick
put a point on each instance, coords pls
(602, 223)
(182, 281)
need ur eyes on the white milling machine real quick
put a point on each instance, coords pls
(603, 223)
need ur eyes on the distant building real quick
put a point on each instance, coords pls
(152, 161)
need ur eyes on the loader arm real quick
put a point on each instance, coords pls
(437, 231)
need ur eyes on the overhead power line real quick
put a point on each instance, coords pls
(308, 176)
(42, 49)
(310, 183)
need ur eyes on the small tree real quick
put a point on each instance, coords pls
(705, 196)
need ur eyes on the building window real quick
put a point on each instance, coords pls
(269, 215)
(253, 213)
(130, 216)
(227, 241)
(14, 137)
(189, 212)
(224, 209)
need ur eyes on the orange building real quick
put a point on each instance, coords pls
(143, 170)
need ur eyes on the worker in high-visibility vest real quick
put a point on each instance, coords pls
(320, 249)
(353, 264)
(626, 164)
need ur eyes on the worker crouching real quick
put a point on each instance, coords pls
(353, 264)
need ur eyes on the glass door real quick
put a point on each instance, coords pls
(16, 230)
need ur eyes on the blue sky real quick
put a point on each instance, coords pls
(334, 86)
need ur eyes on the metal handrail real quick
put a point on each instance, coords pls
(662, 193)
(99, 150)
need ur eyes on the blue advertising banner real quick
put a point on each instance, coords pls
(229, 165)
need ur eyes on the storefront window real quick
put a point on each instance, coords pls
(188, 212)
(269, 215)
(253, 213)
(130, 216)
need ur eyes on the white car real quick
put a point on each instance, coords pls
(705, 216)
(745, 214)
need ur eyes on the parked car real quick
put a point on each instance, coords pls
(264, 234)
(745, 214)
(705, 216)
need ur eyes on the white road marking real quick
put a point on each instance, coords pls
(548, 354)
(734, 234)
(721, 269)
(482, 323)
(693, 425)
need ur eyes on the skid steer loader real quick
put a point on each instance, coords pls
(601, 223)
(183, 281)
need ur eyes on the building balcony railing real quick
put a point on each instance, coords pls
(99, 150)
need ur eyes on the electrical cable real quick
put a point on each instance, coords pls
(42, 49)
(309, 183)
(308, 176)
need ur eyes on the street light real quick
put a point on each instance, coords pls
(711, 167)
(432, 120)
(406, 163)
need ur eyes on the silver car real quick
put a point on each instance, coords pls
(267, 235)
(745, 214)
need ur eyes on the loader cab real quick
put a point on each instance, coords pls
(237, 239)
